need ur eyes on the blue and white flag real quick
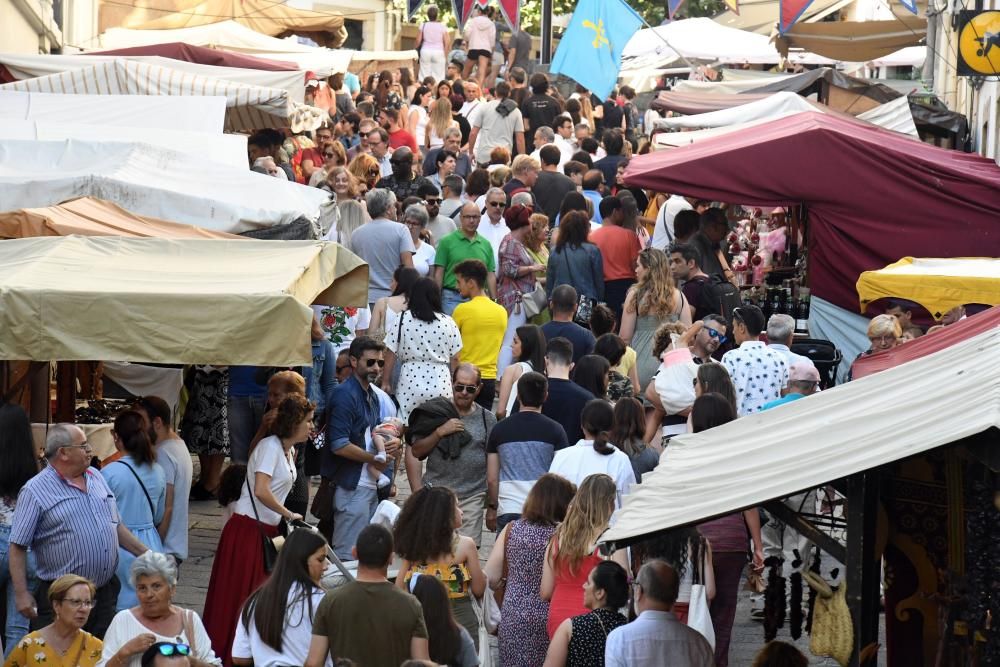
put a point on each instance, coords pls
(590, 52)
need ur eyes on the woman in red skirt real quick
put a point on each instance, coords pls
(239, 561)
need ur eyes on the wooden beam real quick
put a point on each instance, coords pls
(807, 529)
(862, 563)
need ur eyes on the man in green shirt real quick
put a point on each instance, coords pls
(462, 244)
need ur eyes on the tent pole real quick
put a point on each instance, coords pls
(862, 562)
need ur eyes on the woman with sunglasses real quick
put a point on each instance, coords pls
(424, 342)
(239, 566)
(64, 642)
(166, 654)
(155, 619)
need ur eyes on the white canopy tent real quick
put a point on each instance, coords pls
(206, 114)
(248, 107)
(775, 105)
(885, 417)
(23, 66)
(151, 181)
(226, 149)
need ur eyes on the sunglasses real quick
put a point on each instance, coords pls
(328, 155)
(372, 362)
(168, 650)
(712, 333)
(431, 201)
(498, 204)
(466, 388)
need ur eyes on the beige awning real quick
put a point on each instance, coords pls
(762, 15)
(264, 16)
(89, 216)
(175, 301)
(852, 41)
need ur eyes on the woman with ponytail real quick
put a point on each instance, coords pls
(140, 487)
(594, 454)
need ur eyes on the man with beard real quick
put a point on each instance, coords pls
(438, 225)
(708, 339)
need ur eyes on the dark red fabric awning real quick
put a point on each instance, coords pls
(921, 347)
(873, 195)
(201, 55)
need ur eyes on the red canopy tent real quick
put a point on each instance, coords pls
(201, 55)
(873, 195)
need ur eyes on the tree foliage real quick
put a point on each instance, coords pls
(654, 11)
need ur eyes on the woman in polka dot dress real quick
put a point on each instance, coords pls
(423, 342)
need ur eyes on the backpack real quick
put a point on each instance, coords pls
(718, 295)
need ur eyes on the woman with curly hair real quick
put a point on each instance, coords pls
(649, 303)
(427, 540)
(689, 553)
(572, 551)
(365, 169)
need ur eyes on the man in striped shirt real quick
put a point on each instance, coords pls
(68, 517)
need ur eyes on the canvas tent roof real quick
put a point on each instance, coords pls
(21, 67)
(88, 216)
(696, 103)
(188, 301)
(874, 192)
(151, 181)
(937, 284)
(264, 16)
(762, 15)
(854, 41)
(200, 55)
(801, 445)
(248, 107)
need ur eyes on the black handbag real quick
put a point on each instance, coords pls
(585, 304)
(270, 551)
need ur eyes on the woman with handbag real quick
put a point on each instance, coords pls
(246, 552)
(580, 641)
(652, 301)
(140, 487)
(516, 278)
(577, 262)
(515, 572)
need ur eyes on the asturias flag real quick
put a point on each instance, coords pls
(590, 52)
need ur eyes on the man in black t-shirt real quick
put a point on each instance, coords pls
(539, 109)
(685, 266)
(566, 399)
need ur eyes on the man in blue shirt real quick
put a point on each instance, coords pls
(593, 182)
(354, 410)
(803, 380)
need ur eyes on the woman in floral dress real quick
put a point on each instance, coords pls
(63, 643)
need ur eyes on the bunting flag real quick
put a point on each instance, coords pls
(456, 9)
(467, 6)
(511, 10)
(672, 7)
(911, 5)
(734, 5)
(590, 51)
(412, 7)
(789, 12)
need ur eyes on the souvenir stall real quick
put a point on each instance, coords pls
(913, 447)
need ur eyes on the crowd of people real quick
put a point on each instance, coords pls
(536, 333)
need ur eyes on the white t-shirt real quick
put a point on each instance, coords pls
(494, 234)
(580, 461)
(423, 258)
(125, 627)
(173, 457)
(268, 457)
(663, 233)
(295, 637)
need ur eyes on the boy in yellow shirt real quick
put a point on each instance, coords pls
(482, 324)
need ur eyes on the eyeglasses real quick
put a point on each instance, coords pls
(85, 446)
(372, 362)
(884, 339)
(470, 216)
(412, 223)
(76, 604)
(713, 333)
(498, 204)
(168, 650)
(466, 388)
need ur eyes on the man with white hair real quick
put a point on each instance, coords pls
(524, 174)
(492, 226)
(68, 517)
(780, 334)
(545, 136)
(383, 243)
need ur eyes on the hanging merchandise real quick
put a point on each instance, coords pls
(832, 630)
(811, 604)
(774, 598)
(795, 597)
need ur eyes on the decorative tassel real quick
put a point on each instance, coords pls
(774, 599)
(795, 597)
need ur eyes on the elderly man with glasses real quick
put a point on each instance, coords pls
(68, 517)
(464, 243)
(492, 225)
(457, 463)
(758, 372)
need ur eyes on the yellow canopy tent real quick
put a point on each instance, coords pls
(936, 284)
(267, 17)
(151, 300)
(89, 216)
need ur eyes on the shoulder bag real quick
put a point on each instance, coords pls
(152, 510)
(585, 304)
(270, 551)
(699, 617)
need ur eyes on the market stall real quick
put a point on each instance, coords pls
(913, 447)
(936, 284)
(873, 196)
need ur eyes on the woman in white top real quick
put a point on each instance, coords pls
(528, 348)
(275, 626)
(432, 42)
(415, 218)
(425, 342)
(239, 566)
(416, 120)
(155, 619)
(594, 454)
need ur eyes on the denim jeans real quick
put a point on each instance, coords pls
(449, 301)
(17, 625)
(245, 415)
